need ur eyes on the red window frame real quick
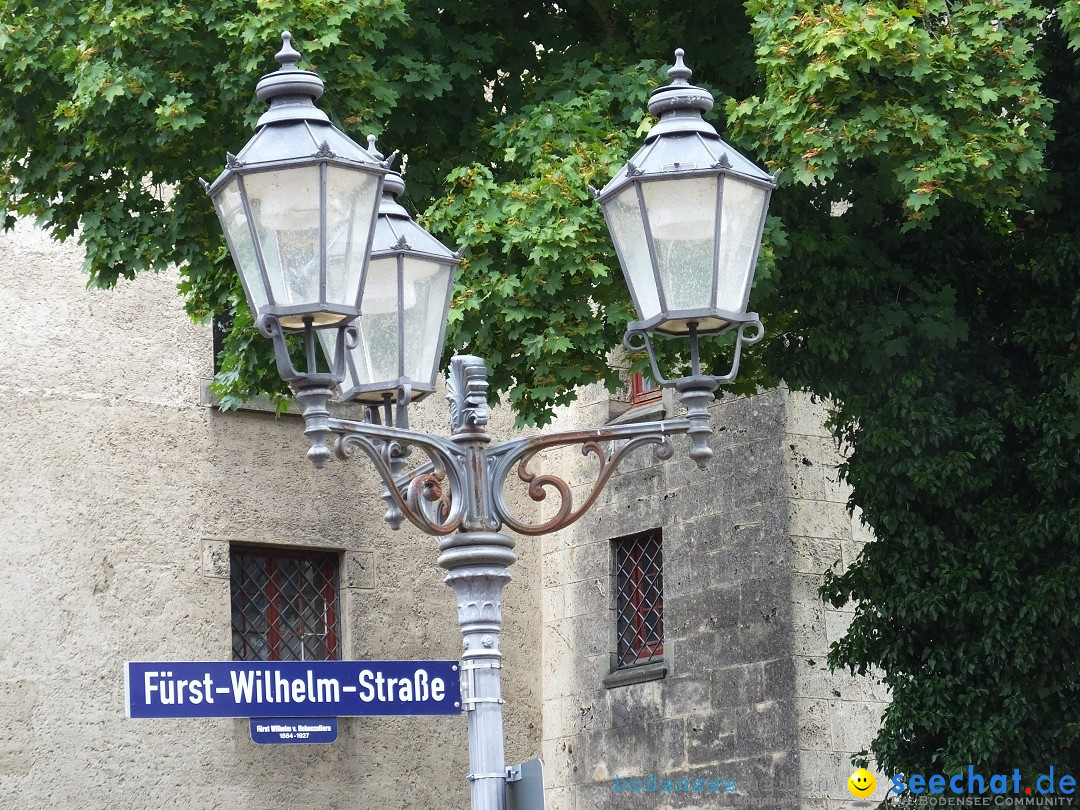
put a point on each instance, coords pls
(279, 597)
(643, 390)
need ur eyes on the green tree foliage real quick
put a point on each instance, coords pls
(930, 286)
(921, 269)
(942, 97)
(539, 252)
(110, 111)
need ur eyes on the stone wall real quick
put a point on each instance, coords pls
(837, 713)
(119, 495)
(746, 696)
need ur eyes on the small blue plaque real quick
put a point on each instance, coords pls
(290, 730)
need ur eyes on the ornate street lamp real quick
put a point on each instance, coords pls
(298, 205)
(686, 216)
(404, 305)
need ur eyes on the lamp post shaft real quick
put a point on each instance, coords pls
(478, 559)
(478, 588)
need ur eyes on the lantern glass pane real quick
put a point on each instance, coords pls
(628, 233)
(285, 206)
(740, 232)
(682, 218)
(350, 207)
(375, 357)
(234, 222)
(425, 289)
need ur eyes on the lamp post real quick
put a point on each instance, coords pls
(319, 256)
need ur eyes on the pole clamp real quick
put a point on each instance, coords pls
(474, 665)
(468, 684)
(472, 777)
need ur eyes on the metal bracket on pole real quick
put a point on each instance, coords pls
(525, 786)
(472, 777)
(468, 685)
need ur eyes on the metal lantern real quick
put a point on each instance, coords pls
(403, 307)
(298, 205)
(686, 215)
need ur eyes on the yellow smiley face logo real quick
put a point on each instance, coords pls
(861, 783)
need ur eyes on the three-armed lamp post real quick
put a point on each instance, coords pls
(324, 250)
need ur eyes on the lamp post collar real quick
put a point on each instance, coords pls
(290, 91)
(680, 105)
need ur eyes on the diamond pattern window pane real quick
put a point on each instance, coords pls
(639, 598)
(284, 605)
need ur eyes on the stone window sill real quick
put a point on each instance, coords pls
(640, 674)
(623, 413)
(264, 405)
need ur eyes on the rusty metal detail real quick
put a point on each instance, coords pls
(656, 433)
(421, 496)
(461, 484)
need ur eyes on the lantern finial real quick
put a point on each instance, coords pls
(393, 182)
(288, 56)
(679, 72)
(680, 104)
(290, 91)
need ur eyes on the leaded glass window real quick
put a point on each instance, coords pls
(639, 598)
(284, 604)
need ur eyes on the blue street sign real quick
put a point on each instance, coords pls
(288, 730)
(291, 688)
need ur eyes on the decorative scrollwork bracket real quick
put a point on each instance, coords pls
(460, 486)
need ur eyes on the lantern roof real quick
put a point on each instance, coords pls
(682, 140)
(395, 229)
(293, 129)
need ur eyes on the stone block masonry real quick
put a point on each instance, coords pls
(746, 696)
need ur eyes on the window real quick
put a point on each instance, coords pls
(639, 599)
(638, 397)
(643, 390)
(284, 604)
(221, 324)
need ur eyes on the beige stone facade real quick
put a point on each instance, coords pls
(119, 495)
(747, 696)
(122, 491)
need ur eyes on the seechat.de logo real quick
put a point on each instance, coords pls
(999, 789)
